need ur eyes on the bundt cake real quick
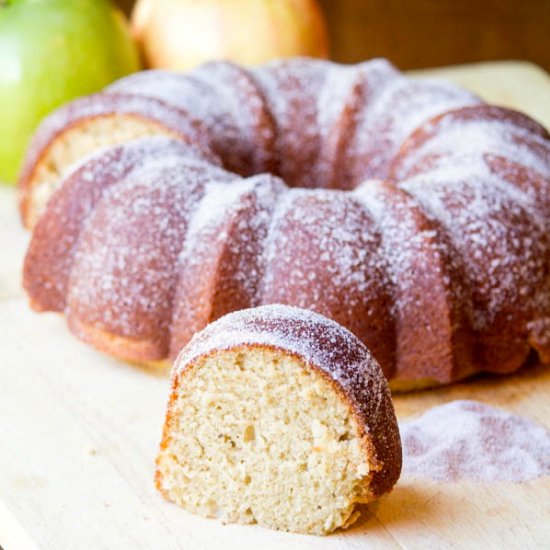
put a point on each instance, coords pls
(410, 212)
(278, 416)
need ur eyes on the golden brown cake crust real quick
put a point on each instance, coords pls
(324, 254)
(122, 281)
(210, 271)
(470, 180)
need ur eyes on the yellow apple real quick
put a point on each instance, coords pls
(180, 34)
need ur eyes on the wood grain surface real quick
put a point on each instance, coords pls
(79, 431)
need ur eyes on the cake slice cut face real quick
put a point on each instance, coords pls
(263, 438)
(258, 433)
(87, 125)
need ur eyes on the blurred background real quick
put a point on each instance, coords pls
(429, 33)
(54, 51)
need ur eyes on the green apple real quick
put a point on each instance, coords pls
(52, 51)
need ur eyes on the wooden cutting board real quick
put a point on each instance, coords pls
(79, 431)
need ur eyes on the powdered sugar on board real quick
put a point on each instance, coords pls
(471, 440)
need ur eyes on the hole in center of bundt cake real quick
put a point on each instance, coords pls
(261, 437)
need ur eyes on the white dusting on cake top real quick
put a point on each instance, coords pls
(427, 290)
(394, 110)
(293, 89)
(503, 245)
(181, 90)
(312, 336)
(353, 256)
(323, 253)
(244, 108)
(123, 274)
(336, 237)
(468, 440)
(58, 231)
(455, 137)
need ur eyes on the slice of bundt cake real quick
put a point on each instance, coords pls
(281, 417)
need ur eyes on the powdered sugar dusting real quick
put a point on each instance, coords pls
(403, 237)
(220, 267)
(452, 138)
(468, 220)
(296, 89)
(211, 100)
(427, 292)
(314, 337)
(182, 91)
(504, 245)
(235, 88)
(323, 253)
(471, 440)
(57, 232)
(166, 116)
(123, 277)
(393, 112)
(218, 203)
(297, 219)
